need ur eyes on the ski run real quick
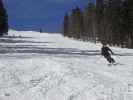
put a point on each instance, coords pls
(44, 66)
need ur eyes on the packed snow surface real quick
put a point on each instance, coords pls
(42, 66)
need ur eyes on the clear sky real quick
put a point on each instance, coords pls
(36, 14)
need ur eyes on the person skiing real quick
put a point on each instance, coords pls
(106, 52)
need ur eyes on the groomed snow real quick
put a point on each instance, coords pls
(43, 66)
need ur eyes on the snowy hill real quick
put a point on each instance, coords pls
(42, 66)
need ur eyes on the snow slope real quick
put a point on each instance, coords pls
(42, 66)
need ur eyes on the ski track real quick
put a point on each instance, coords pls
(44, 66)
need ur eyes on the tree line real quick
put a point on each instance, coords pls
(107, 21)
(3, 20)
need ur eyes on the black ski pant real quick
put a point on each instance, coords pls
(109, 59)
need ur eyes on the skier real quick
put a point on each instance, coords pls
(106, 52)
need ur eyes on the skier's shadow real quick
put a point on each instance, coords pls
(15, 37)
(43, 50)
(124, 54)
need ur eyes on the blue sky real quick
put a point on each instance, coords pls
(36, 14)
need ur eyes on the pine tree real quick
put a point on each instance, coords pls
(76, 23)
(99, 19)
(3, 20)
(129, 21)
(66, 25)
(89, 22)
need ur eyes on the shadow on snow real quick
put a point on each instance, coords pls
(42, 49)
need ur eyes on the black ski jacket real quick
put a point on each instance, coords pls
(106, 51)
